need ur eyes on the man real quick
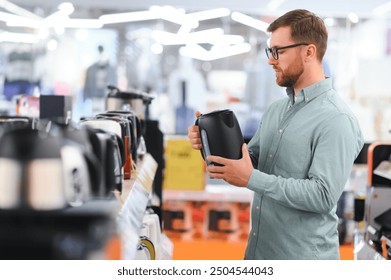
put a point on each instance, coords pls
(301, 156)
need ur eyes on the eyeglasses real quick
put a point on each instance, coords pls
(274, 51)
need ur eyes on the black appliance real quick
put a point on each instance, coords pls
(220, 135)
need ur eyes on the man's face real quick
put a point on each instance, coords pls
(289, 66)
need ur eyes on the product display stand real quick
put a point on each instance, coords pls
(373, 242)
(134, 198)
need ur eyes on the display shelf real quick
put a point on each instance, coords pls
(134, 199)
(212, 192)
(71, 233)
(383, 169)
(144, 174)
(136, 193)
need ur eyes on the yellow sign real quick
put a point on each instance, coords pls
(184, 168)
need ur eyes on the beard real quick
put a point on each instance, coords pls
(291, 75)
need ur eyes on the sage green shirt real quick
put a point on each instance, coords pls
(303, 155)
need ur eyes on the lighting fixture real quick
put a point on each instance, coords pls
(197, 52)
(250, 21)
(223, 45)
(127, 17)
(382, 9)
(83, 23)
(198, 37)
(353, 17)
(10, 7)
(274, 4)
(329, 21)
(17, 37)
(209, 14)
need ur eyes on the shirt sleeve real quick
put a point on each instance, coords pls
(253, 147)
(336, 145)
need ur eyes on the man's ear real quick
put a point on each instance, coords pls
(311, 52)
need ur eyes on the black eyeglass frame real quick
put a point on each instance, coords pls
(274, 51)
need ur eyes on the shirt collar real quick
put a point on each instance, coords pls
(311, 92)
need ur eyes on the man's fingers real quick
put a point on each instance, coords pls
(220, 160)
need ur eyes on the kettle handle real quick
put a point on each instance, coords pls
(113, 88)
(202, 149)
(93, 168)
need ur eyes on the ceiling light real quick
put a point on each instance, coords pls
(17, 37)
(127, 17)
(83, 23)
(174, 15)
(8, 6)
(353, 17)
(60, 29)
(250, 21)
(57, 18)
(186, 28)
(52, 45)
(43, 33)
(156, 48)
(226, 39)
(65, 22)
(66, 8)
(194, 51)
(329, 21)
(209, 14)
(274, 4)
(197, 52)
(382, 9)
(199, 37)
(5, 17)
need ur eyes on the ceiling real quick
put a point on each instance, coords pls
(265, 10)
(332, 8)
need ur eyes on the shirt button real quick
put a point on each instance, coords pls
(307, 99)
(280, 131)
(254, 234)
(257, 207)
(270, 155)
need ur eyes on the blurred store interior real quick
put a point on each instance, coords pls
(198, 55)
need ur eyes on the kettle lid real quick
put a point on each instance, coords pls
(216, 112)
(129, 94)
(226, 115)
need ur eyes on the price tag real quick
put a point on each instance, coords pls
(130, 219)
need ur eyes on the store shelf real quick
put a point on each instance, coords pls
(212, 192)
(72, 233)
(134, 198)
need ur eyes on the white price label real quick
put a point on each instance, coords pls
(130, 219)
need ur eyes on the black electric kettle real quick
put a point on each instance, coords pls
(220, 135)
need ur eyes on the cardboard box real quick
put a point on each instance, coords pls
(185, 167)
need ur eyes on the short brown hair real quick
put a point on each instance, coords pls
(305, 27)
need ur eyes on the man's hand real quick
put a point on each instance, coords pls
(235, 172)
(193, 133)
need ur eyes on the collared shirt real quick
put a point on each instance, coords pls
(303, 153)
